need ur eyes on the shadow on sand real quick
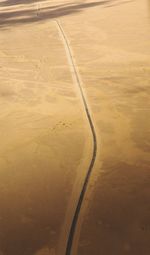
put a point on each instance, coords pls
(26, 239)
(14, 15)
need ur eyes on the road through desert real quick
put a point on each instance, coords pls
(74, 127)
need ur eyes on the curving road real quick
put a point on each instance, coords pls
(93, 132)
(48, 204)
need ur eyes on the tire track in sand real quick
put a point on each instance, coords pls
(76, 78)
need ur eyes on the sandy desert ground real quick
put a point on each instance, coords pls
(46, 141)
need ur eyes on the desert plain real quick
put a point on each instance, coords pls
(45, 138)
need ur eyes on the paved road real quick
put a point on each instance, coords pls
(113, 53)
(45, 138)
(43, 132)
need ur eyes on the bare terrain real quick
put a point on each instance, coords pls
(46, 141)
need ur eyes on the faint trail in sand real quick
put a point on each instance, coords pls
(38, 8)
(77, 80)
